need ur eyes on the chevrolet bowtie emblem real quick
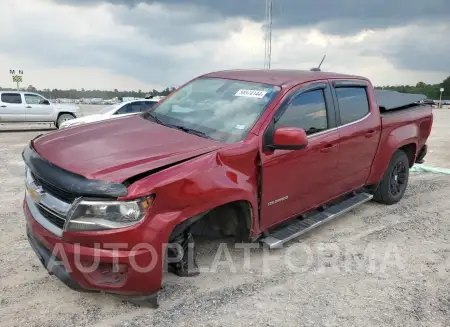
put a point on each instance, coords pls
(35, 193)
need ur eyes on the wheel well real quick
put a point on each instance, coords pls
(410, 150)
(63, 113)
(233, 219)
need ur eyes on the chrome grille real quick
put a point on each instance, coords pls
(52, 216)
(49, 207)
(56, 192)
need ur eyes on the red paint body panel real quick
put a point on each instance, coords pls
(358, 143)
(399, 129)
(136, 283)
(117, 149)
(333, 163)
(290, 136)
(282, 77)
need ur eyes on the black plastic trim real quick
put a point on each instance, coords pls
(338, 84)
(286, 147)
(70, 182)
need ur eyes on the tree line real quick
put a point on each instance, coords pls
(432, 91)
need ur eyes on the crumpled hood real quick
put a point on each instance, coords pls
(118, 149)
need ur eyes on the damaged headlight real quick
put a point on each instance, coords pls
(90, 215)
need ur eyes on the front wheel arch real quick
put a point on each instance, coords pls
(232, 218)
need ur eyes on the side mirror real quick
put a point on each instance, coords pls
(45, 102)
(289, 138)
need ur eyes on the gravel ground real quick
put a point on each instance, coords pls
(376, 266)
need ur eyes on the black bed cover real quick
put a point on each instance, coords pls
(389, 100)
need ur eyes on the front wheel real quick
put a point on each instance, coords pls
(63, 118)
(393, 185)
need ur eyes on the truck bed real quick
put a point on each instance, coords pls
(393, 100)
(401, 109)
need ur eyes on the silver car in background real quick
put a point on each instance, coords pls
(117, 110)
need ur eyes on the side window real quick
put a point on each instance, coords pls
(307, 111)
(135, 107)
(146, 105)
(353, 103)
(33, 99)
(11, 98)
(124, 110)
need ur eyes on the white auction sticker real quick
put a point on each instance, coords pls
(239, 126)
(250, 93)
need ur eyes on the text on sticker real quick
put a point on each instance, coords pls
(250, 93)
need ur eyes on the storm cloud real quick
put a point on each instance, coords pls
(161, 43)
(336, 17)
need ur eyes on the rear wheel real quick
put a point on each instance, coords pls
(395, 180)
(63, 118)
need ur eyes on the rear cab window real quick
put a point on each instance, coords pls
(353, 103)
(13, 98)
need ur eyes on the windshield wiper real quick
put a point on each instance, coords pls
(154, 118)
(190, 130)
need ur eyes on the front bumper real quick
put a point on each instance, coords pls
(67, 260)
(52, 264)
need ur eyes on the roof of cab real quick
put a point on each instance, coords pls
(280, 77)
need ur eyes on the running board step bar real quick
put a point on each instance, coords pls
(301, 226)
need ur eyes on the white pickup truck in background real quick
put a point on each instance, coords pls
(29, 107)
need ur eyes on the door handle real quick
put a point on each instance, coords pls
(327, 148)
(370, 133)
(28, 106)
(3, 106)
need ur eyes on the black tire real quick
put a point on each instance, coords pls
(395, 180)
(62, 118)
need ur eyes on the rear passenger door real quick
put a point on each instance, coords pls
(12, 108)
(359, 129)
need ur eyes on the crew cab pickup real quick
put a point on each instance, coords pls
(261, 155)
(29, 107)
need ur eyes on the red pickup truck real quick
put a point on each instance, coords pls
(258, 155)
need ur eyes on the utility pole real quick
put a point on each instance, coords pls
(268, 35)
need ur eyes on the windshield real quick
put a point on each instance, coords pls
(112, 107)
(220, 109)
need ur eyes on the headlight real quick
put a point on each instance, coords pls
(90, 215)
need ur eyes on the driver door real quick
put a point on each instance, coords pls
(294, 181)
(38, 108)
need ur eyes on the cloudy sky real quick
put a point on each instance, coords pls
(132, 44)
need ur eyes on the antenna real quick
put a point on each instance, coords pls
(268, 35)
(317, 69)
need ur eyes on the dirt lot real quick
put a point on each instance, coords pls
(375, 266)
